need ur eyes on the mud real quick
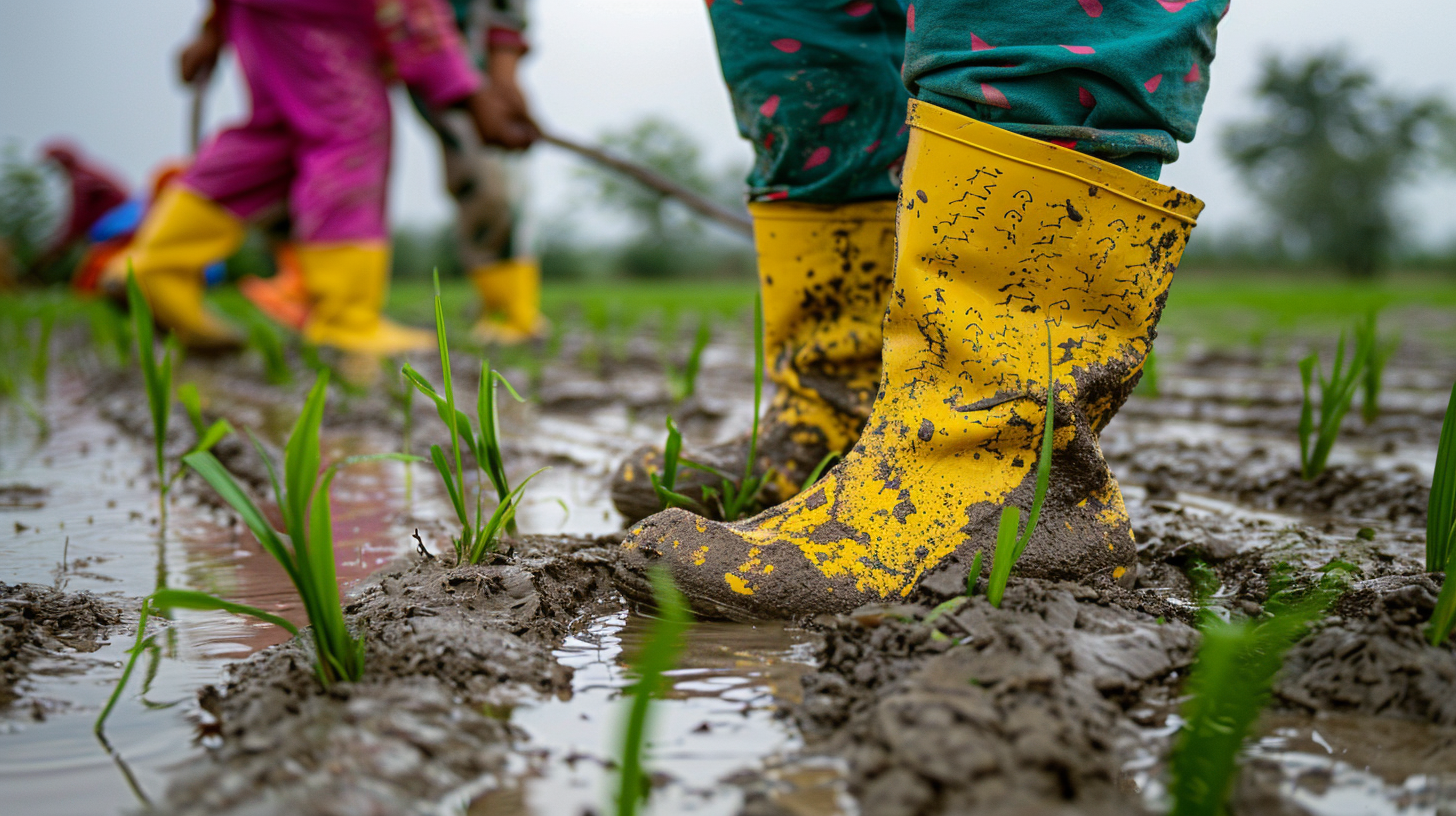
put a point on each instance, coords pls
(39, 622)
(444, 645)
(1063, 701)
(1014, 710)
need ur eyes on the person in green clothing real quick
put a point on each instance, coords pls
(928, 281)
(481, 180)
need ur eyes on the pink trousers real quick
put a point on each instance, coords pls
(318, 136)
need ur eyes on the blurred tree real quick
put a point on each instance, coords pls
(668, 238)
(1330, 152)
(27, 213)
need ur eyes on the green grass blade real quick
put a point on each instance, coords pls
(214, 434)
(268, 465)
(330, 631)
(1004, 557)
(1443, 618)
(670, 453)
(658, 656)
(1044, 462)
(1441, 507)
(818, 471)
(201, 601)
(1306, 413)
(438, 457)
(302, 460)
(500, 520)
(974, 574)
(216, 475)
(1230, 685)
(192, 403)
(443, 407)
(136, 653)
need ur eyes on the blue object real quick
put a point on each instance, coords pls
(214, 273)
(123, 219)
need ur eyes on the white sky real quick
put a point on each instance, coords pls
(102, 72)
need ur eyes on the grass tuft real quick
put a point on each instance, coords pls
(305, 546)
(658, 656)
(480, 534)
(1335, 395)
(1381, 350)
(1229, 686)
(1441, 527)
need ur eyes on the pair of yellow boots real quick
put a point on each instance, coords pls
(333, 293)
(1001, 246)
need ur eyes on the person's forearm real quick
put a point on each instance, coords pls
(501, 64)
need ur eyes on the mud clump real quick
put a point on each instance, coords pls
(37, 620)
(1012, 710)
(1255, 479)
(444, 644)
(1374, 658)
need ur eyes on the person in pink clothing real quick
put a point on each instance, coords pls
(316, 141)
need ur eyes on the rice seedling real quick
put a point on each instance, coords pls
(1230, 685)
(658, 656)
(683, 383)
(480, 533)
(154, 605)
(1381, 350)
(305, 546)
(157, 377)
(1335, 394)
(1010, 545)
(1441, 527)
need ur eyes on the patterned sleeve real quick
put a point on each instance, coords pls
(504, 22)
(421, 41)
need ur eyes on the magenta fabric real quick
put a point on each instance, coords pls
(318, 136)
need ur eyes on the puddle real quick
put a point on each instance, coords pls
(1334, 765)
(90, 522)
(717, 721)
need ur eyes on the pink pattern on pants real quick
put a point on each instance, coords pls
(318, 136)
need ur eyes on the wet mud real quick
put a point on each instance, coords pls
(40, 623)
(446, 646)
(1065, 700)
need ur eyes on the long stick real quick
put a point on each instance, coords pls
(657, 181)
(199, 95)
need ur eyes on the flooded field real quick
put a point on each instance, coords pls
(498, 688)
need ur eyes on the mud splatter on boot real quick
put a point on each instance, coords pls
(999, 237)
(825, 276)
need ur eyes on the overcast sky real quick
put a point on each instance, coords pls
(102, 72)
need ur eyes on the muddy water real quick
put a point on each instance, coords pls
(720, 718)
(91, 523)
(717, 720)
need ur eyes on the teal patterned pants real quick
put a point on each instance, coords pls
(820, 86)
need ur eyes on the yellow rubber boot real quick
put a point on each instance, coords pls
(824, 273)
(998, 237)
(510, 302)
(182, 234)
(347, 285)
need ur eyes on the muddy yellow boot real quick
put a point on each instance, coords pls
(182, 234)
(347, 285)
(824, 272)
(510, 302)
(998, 238)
